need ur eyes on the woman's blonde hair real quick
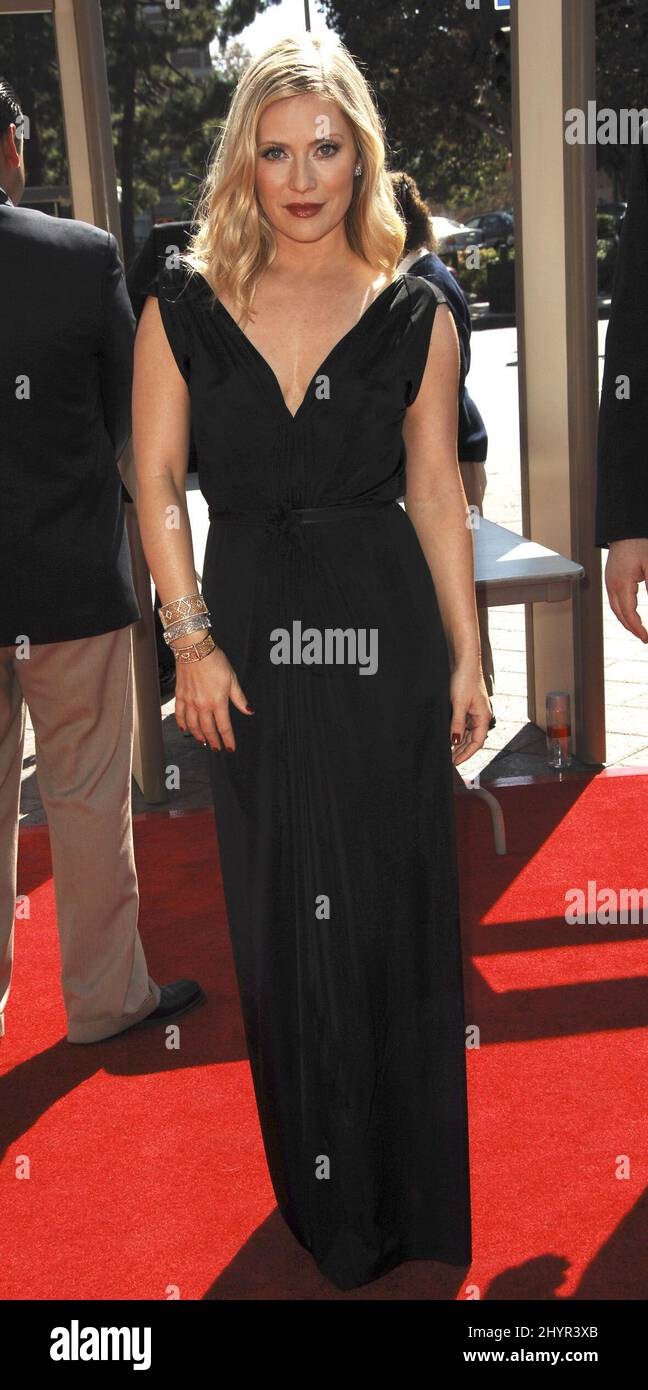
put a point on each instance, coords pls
(233, 241)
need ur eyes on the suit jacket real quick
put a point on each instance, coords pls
(472, 442)
(622, 469)
(66, 347)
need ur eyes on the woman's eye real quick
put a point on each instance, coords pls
(326, 145)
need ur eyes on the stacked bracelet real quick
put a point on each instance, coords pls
(197, 651)
(184, 607)
(186, 625)
(185, 615)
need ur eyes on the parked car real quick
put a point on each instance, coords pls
(493, 228)
(452, 236)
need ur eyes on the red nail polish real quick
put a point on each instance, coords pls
(249, 708)
(456, 738)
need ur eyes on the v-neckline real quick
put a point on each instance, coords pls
(336, 346)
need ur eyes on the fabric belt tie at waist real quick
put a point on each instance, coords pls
(287, 516)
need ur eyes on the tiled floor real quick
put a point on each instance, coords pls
(514, 747)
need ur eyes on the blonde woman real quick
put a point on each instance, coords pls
(342, 651)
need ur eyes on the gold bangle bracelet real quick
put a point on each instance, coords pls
(184, 607)
(196, 651)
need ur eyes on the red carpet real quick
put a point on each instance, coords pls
(132, 1172)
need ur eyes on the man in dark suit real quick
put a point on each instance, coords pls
(622, 483)
(68, 600)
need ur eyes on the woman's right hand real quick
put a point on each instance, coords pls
(625, 570)
(203, 692)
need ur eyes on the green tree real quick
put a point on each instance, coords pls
(431, 63)
(433, 69)
(164, 119)
(28, 62)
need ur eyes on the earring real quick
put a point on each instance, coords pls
(357, 171)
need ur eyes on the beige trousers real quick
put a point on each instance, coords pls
(80, 698)
(473, 477)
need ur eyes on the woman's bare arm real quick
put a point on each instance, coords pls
(435, 500)
(161, 427)
(161, 422)
(436, 504)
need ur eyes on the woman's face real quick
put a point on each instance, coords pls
(306, 156)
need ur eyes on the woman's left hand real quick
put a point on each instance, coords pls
(471, 710)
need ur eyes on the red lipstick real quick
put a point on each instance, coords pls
(303, 209)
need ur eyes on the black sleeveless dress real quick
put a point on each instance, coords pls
(335, 813)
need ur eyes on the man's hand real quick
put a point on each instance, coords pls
(627, 566)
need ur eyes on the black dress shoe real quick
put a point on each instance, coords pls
(175, 1000)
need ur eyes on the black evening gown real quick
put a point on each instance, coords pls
(335, 813)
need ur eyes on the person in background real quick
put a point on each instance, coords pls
(66, 362)
(472, 445)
